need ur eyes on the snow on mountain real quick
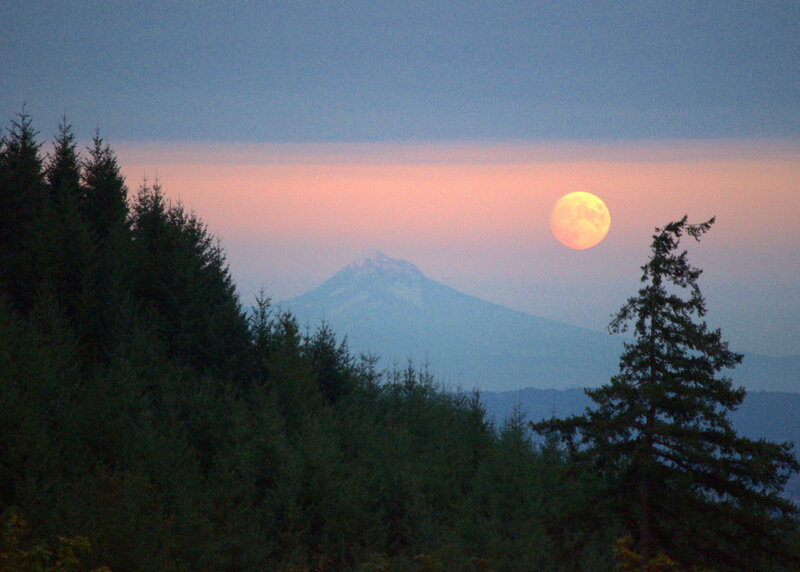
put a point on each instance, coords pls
(376, 263)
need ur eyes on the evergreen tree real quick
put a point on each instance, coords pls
(182, 281)
(63, 171)
(23, 198)
(332, 363)
(105, 197)
(106, 295)
(263, 337)
(682, 480)
(69, 247)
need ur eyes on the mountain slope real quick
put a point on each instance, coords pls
(390, 308)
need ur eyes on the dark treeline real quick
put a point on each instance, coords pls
(148, 423)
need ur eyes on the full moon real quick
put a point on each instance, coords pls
(580, 220)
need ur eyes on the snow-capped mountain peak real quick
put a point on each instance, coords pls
(388, 307)
(376, 263)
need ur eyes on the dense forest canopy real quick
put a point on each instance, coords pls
(148, 423)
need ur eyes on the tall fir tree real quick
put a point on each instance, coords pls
(105, 196)
(679, 476)
(106, 296)
(23, 198)
(70, 249)
(183, 282)
(63, 169)
(332, 363)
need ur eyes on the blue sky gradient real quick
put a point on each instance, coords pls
(405, 71)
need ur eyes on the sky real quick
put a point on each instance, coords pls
(305, 133)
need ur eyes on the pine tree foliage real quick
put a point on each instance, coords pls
(70, 250)
(104, 209)
(182, 281)
(105, 196)
(683, 481)
(23, 200)
(331, 363)
(63, 169)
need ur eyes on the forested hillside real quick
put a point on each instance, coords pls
(148, 423)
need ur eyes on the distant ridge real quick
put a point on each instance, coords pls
(774, 416)
(387, 306)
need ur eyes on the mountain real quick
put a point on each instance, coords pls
(390, 308)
